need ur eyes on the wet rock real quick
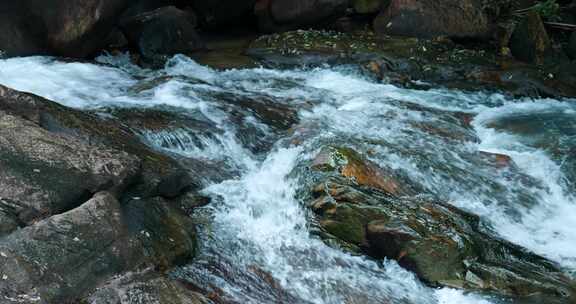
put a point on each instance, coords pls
(282, 15)
(42, 172)
(431, 18)
(530, 42)
(70, 126)
(498, 160)
(145, 287)
(63, 229)
(66, 255)
(62, 28)
(163, 32)
(443, 245)
(363, 172)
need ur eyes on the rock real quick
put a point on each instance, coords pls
(63, 231)
(572, 46)
(431, 18)
(282, 15)
(408, 61)
(42, 172)
(443, 245)
(369, 6)
(163, 32)
(87, 130)
(530, 42)
(363, 172)
(65, 256)
(145, 287)
(216, 14)
(61, 28)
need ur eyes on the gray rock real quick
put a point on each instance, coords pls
(163, 32)
(51, 173)
(63, 231)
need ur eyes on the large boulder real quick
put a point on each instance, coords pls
(45, 173)
(162, 32)
(282, 15)
(431, 18)
(82, 200)
(65, 256)
(62, 28)
(443, 245)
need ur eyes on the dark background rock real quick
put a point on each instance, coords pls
(368, 6)
(62, 28)
(163, 32)
(62, 183)
(282, 15)
(530, 41)
(217, 14)
(572, 46)
(431, 18)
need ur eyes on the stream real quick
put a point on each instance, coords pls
(255, 128)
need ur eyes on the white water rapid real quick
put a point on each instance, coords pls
(257, 232)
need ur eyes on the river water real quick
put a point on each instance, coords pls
(256, 241)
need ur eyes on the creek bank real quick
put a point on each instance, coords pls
(85, 201)
(418, 63)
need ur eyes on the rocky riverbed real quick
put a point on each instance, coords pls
(279, 151)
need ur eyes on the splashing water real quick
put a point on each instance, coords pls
(258, 234)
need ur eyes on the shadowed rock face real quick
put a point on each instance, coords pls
(443, 245)
(430, 18)
(163, 32)
(281, 15)
(82, 200)
(63, 28)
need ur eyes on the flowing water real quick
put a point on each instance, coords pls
(256, 240)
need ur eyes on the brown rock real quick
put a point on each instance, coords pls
(431, 18)
(530, 41)
(63, 28)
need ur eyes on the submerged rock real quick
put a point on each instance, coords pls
(443, 245)
(216, 14)
(166, 31)
(145, 287)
